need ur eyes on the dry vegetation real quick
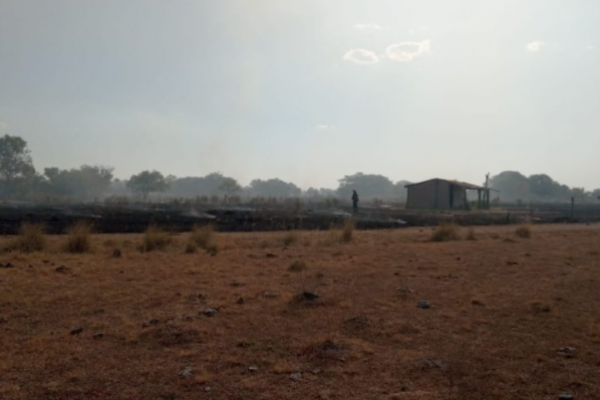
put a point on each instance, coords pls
(155, 238)
(446, 232)
(31, 239)
(79, 238)
(253, 322)
(523, 232)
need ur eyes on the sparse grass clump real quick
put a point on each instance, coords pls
(297, 266)
(155, 239)
(202, 237)
(191, 248)
(290, 238)
(524, 231)
(348, 231)
(31, 239)
(79, 238)
(445, 232)
(471, 234)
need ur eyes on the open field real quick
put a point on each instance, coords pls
(502, 307)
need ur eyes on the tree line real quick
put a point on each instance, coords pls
(19, 180)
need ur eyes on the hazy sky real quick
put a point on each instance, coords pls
(306, 90)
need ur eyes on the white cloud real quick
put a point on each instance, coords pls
(368, 27)
(361, 56)
(535, 46)
(407, 51)
(323, 127)
(3, 126)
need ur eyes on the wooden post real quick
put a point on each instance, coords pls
(479, 199)
(572, 208)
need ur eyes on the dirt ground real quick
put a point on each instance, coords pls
(501, 309)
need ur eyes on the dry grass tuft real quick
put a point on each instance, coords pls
(445, 232)
(191, 248)
(297, 266)
(290, 238)
(202, 237)
(471, 234)
(31, 239)
(524, 231)
(348, 231)
(155, 239)
(212, 249)
(79, 238)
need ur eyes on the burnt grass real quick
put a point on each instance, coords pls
(501, 313)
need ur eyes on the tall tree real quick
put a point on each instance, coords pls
(273, 188)
(85, 183)
(512, 185)
(147, 182)
(16, 166)
(229, 186)
(367, 185)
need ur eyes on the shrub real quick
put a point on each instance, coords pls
(31, 239)
(523, 231)
(445, 232)
(202, 236)
(212, 249)
(155, 239)
(117, 253)
(79, 239)
(348, 231)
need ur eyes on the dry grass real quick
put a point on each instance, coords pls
(471, 234)
(445, 232)
(155, 239)
(348, 231)
(79, 238)
(297, 266)
(202, 237)
(500, 313)
(524, 231)
(290, 238)
(31, 239)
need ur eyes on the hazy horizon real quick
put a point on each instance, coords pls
(306, 91)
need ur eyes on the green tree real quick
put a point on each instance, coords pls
(367, 186)
(512, 185)
(147, 182)
(84, 183)
(16, 167)
(273, 188)
(230, 186)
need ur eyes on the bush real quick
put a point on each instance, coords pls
(212, 249)
(31, 239)
(445, 232)
(155, 239)
(79, 238)
(523, 231)
(202, 237)
(348, 231)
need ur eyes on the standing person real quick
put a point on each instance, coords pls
(355, 201)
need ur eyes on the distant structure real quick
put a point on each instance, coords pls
(444, 194)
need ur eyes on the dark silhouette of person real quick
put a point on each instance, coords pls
(355, 200)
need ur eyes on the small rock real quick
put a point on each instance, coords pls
(3, 320)
(207, 389)
(186, 373)
(297, 376)
(478, 303)
(210, 312)
(7, 265)
(566, 396)
(98, 335)
(62, 269)
(253, 368)
(316, 371)
(432, 363)
(240, 300)
(568, 352)
(152, 322)
(77, 331)
(270, 295)
(270, 255)
(424, 304)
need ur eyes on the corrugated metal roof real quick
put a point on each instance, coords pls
(464, 185)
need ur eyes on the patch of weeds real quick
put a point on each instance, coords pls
(290, 238)
(298, 266)
(445, 232)
(79, 238)
(212, 249)
(155, 239)
(31, 239)
(348, 231)
(202, 237)
(471, 234)
(524, 231)
(191, 248)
